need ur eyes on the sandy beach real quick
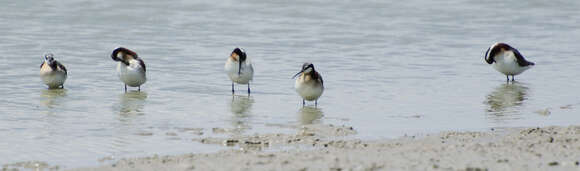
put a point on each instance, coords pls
(326, 147)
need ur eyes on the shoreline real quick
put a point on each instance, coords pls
(325, 147)
(545, 148)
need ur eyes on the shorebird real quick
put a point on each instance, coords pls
(52, 72)
(309, 84)
(239, 68)
(131, 68)
(507, 60)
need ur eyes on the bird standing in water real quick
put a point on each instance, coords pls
(239, 68)
(52, 72)
(507, 60)
(131, 68)
(309, 84)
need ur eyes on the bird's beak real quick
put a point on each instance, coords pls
(239, 67)
(297, 74)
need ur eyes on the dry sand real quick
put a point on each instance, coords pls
(323, 147)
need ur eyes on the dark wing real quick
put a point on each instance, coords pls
(494, 50)
(61, 66)
(142, 64)
(520, 58)
(318, 77)
(53, 65)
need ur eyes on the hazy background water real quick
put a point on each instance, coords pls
(390, 68)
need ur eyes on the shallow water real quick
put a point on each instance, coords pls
(390, 69)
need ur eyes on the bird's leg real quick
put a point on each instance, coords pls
(248, 88)
(513, 79)
(125, 88)
(507, 78)
(316, 103)
(303, 102)
(139, 89)
(232, 87)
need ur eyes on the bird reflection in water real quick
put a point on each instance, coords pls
(130, 107)
(132, 103)
(51, 98)
(310, 115)
(241, 107)
(504, 102)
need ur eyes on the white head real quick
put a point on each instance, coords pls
(49, 57)
(307, 68)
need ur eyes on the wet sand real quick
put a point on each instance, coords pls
(324, 147)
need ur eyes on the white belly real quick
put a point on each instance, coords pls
(132, 75)
(308, 92)
(246, 74)
(507, 65)
(53, 79)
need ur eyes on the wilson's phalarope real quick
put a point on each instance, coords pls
(309, 84)
(239, 68)
(507, 60)
(52, 72)
(131, 68)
